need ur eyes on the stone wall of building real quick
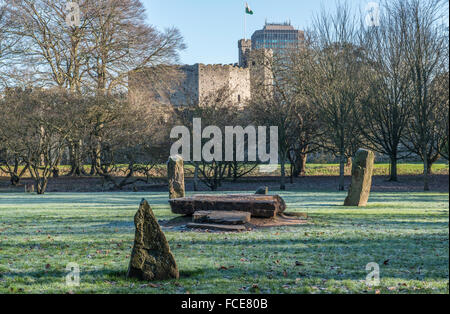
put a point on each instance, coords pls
(240, 85)
(260, 63)
(188, 89)
(197, 83)
(201, 82)
(212, 78)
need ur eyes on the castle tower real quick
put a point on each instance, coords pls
(245, 47)
(260, 65)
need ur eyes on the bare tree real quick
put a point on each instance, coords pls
(36, 125)
(54, 49)
(11, 164)
(385, 112)
(135, 139)
(425, 54)
(8, 44)
(338, 83)
(121, 41)
(440, 91)
(310, 129)
(276, 103)
(96, 56)
(121, 44)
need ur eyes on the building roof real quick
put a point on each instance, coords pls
(279, 27)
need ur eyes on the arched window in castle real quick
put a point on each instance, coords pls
(239, 98)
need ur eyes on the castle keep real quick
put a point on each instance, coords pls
(197, 83)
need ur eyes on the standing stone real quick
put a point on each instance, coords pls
(151, 258)
(362, 170)
(175, 173)
(264, 190)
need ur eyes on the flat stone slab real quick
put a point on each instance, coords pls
(222, 217)
(263, 206)
(216, 227)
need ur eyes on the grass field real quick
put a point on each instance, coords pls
(406, 234)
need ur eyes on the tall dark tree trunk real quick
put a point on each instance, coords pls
(349, 163)
(283, 173)
(299, 164)
(426, 170)
(393, 176)
(15, 177)
(41, 185)
(196, 177)
(235, 171)
(76, 169)
(15, 180)
(343, 161)
(291, 172)
(96, 159)
(430, 167)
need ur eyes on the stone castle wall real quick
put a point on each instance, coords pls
(198, 83)
(235, 80)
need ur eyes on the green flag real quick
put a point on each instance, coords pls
(247, 9)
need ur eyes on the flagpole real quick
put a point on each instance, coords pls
(245, 23)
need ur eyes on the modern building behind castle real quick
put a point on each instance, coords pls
(278, 37)
(199, 82)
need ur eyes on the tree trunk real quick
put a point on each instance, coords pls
(15, 180)
(426, 171)
(283, 173)
(393, 177)
(55, 172)
(41, 185)
(291, 174)
(302, 170)
(76, 168)
(342, 163)
(299, 164)
(235, 171)
(196, 177)
(430, 167)
(349, 164)
(96, 161)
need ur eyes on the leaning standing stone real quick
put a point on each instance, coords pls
(151, 258)
(362, 170)
(175, 173)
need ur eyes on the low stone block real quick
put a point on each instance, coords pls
(263, 206)
(217, 227)
(222, 217)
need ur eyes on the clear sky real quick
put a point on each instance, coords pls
(212, 28)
